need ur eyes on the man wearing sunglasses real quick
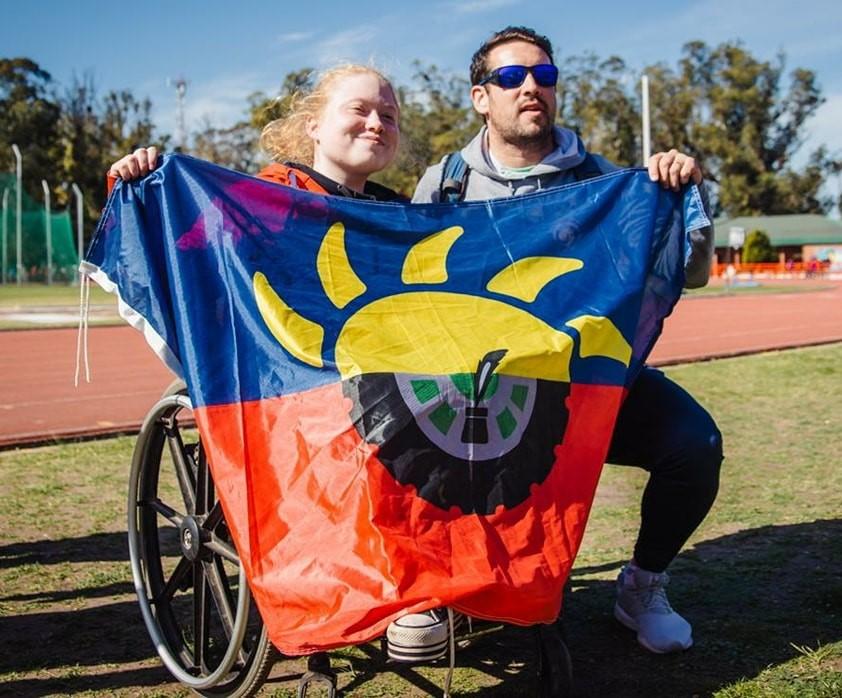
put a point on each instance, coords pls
(660, 427)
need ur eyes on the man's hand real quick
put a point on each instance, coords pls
(139, 164)
(672, 169)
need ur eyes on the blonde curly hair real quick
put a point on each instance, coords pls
(286, 139)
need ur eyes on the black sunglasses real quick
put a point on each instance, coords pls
(509, 76)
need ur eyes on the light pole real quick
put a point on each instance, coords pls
(48, 228)
(644, 104)
(5, 231)
(18, 206)
(80, 233)
(180, 85)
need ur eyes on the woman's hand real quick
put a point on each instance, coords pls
(139, 164)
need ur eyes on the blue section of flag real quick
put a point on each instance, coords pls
(182, 247)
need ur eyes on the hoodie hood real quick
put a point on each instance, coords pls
(484, 181)
(557, 169)
(569, 152)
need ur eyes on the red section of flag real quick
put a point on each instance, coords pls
(335, 548)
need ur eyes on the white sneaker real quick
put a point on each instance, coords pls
(642, 606)
(419, 637)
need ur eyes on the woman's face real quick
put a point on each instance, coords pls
(357, 133)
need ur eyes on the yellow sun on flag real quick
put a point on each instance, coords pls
(438, 332)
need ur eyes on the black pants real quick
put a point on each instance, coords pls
(662, 429)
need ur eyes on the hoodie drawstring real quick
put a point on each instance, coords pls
(82, 333)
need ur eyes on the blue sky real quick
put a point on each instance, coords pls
(227, 50)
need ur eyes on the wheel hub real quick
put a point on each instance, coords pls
(190, 538)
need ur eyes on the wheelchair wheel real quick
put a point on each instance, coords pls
(190, 585)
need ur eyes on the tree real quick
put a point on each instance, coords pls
(29, 119)
(596, 99)
(126, 122)
(263, 109)
(758, 248)
(740, 116)
(735, 113)
(93, 133)
(235, 147)
(675, 112)
(238, 146)
(436, 119)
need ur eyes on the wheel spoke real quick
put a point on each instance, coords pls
(223, 549)
(183, 469)
(214, 517)
(221, 592)
(201, 613)
(202, 459)
(174, 582)
(166, 511)
(225, 603)
(204, 484)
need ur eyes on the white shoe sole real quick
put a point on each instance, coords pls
(631, 624)
(416, 644)
(415, 655)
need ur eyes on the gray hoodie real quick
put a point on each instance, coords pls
(485, 182)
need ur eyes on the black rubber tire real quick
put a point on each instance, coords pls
(166, 597)
(555, 666)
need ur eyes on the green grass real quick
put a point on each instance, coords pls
(40, 299)
(816, 673)
(39, 295)
(761, 580)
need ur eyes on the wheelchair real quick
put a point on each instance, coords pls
(192, 590)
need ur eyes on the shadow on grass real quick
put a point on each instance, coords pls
(97, 547)
(112, 633)
(749, 595)
(71, 684)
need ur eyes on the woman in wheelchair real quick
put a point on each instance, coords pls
(334, 138)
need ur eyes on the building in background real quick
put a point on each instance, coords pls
(799, 239)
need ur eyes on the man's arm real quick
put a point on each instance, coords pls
(673, 170)
(699, 259)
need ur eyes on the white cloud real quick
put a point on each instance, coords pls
(823, 128)
(294, 37)
(346, 45)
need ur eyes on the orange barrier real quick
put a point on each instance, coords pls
(812, 268)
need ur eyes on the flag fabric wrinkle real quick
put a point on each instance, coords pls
(403, 406)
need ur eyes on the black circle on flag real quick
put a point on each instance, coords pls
(458, 449)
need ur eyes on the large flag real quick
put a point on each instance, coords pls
(404, 406)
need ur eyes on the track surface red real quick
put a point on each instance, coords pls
(38, 401)
(715, 327)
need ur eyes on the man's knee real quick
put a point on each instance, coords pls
(702, 455)
(708, 443)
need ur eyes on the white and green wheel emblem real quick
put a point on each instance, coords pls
(447, 411)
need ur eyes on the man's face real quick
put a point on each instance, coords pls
(522, 116)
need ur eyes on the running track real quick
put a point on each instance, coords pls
(38, 401)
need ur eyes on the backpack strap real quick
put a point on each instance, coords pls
(587, 169)
(454, 176)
